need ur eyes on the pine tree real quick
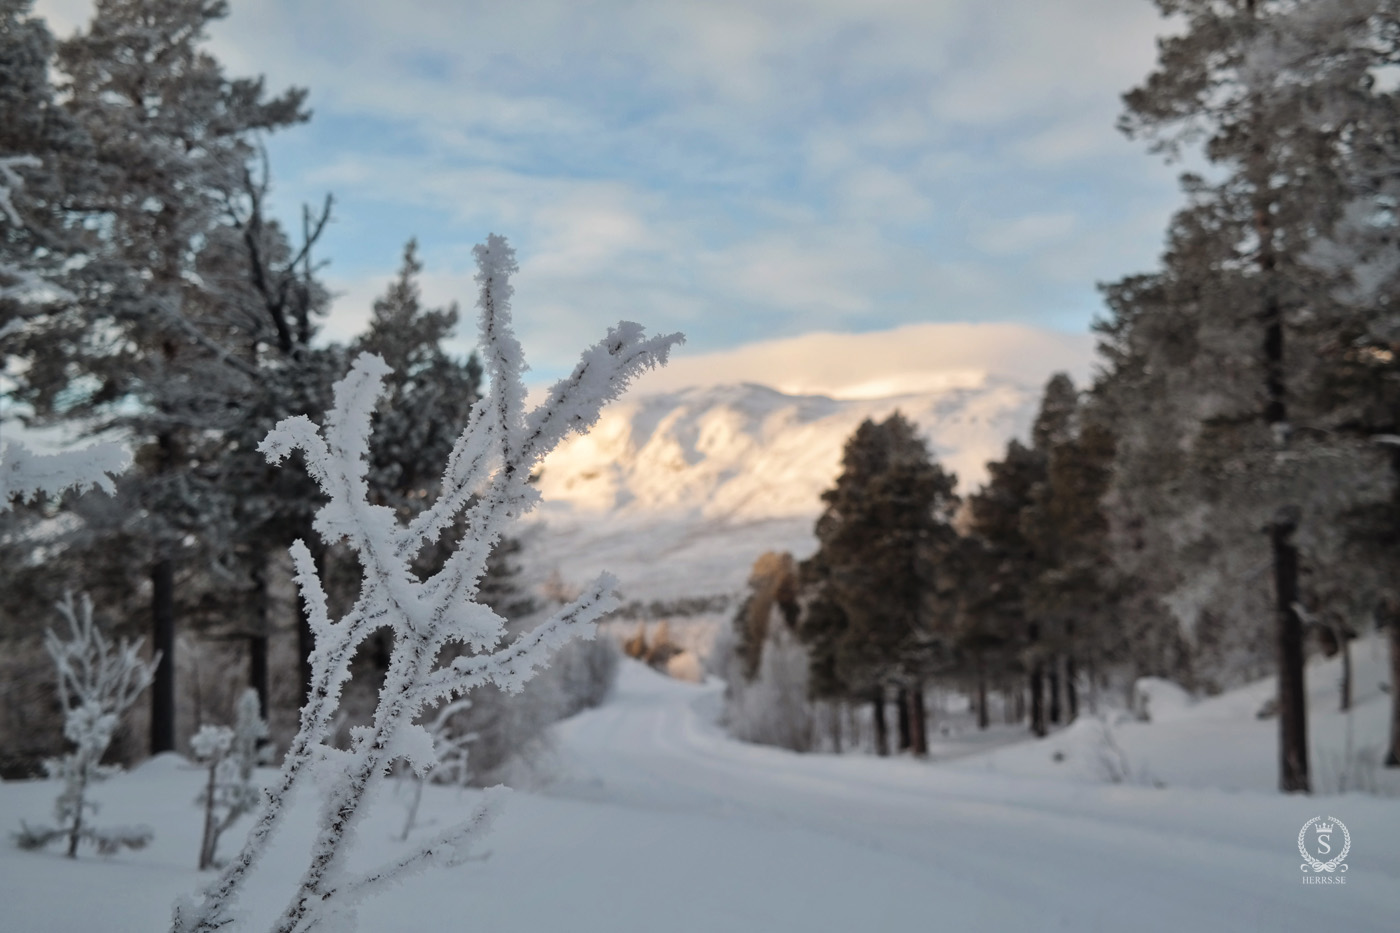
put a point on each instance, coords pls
(1268, 85)
(883, 535)
(167, 140)
(1003, 563)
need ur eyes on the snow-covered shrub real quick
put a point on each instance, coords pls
(97, 683)
(1111, 759)
(450, 741)
(511, 730)
(773, 709)
(585, 672)
(486, 484)
(229, 757)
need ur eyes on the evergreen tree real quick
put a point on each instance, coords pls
(1002, 564)
(1270, 86)
(885, 531)
(147, 344)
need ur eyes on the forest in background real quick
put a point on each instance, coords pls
(1220, 499)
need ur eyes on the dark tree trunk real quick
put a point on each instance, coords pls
(1071, 688)
(882, 729)
(1092, 670)
(163, 640)
(257, 638)
(918, 720)
(1292, 701)
(1018, 703)
(983, 719)
(1392, 759)
(1344, 645)
(1038, 699)
(902, 706)
(1053, 676)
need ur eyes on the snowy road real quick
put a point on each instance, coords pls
(657, 823)
(985, 852)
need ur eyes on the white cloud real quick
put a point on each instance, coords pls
(730, 168)
(1022, 234)
(877, 364)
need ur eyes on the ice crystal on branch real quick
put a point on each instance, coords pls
(97, 683)
(485, 485)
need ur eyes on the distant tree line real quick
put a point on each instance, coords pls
(1228, 488)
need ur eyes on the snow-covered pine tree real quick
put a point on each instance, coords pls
(486, 481)
(97, 683)
(229, 755)
(149, 346)
(1282, 94)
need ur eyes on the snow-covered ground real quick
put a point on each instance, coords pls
(652, 819)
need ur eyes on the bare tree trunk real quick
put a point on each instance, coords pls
(1018, 702)
(1392, 759)
(918, 720)
(1053, 676)
(882, 729)
(983, 717)
(163, 641)
(1071, 688)
(1038, 699)
(1292, 701)
(258, 639)
(211, 837)
(834, 724)
(1344, 645)
(1092, 670)
(902, 704)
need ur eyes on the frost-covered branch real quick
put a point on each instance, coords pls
(25, 474)
(485, 485)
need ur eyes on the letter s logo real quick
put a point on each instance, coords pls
(1322, 843)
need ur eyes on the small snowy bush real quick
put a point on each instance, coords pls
(773, 709)
(229, 757)
(486, 483)
(97, 683)
(450, 741)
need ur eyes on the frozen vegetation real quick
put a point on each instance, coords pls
(445, 643)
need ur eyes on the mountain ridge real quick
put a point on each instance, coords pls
(677, 491)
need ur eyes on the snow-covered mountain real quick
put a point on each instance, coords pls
(677, 492)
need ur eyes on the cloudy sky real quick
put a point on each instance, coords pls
(740, 171)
